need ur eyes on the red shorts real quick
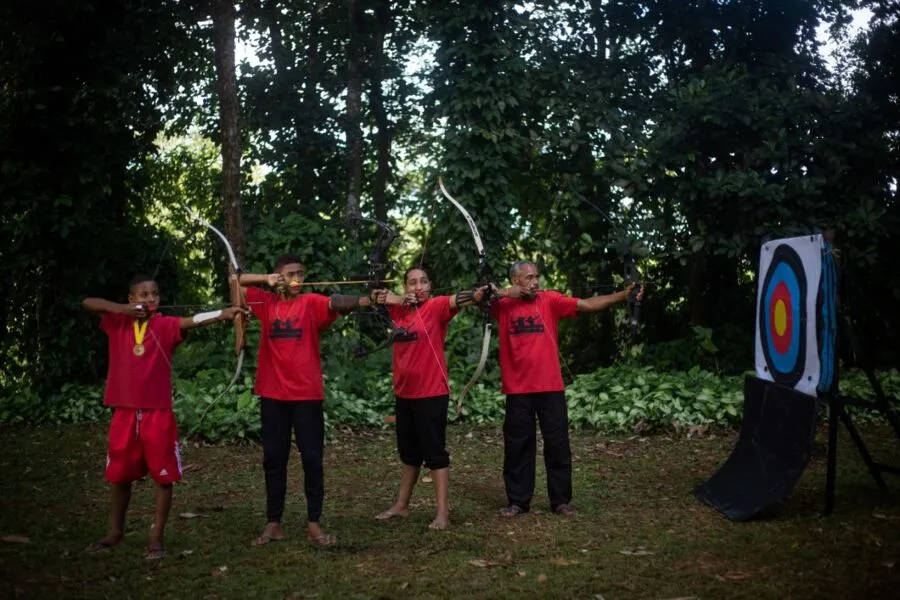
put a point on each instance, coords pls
(143, 440)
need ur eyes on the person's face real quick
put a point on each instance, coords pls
(146, 293)
(417, 282)
(293, 274)
(528, 278)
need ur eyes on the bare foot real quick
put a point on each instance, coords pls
(440, 522)
(110, 541)
(319, 537)
(393, 511)
(272, 533)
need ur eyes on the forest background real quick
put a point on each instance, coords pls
(581, 135)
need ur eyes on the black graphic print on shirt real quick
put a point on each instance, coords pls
(526, 325)
(402, 335)
(285, 329)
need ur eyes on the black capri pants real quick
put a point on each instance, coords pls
(422, 431)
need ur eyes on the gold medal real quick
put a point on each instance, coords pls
(139, 332)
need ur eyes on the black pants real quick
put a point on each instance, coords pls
(520, 447)
(422, 431)
(307, 419)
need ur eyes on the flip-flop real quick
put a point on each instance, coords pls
(101, 545)
(564, 510)
(325, 539)
(265, 539)
(155, 553)
(389, 514)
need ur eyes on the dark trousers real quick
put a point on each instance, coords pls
(520, 447)
(422, 431)
(307, 419)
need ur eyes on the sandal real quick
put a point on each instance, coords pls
(513, 510)
(564, 510)
(155, 553)
(391, 513)
(265, 539)
(99, 545)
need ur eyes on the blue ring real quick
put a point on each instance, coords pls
(787, 361)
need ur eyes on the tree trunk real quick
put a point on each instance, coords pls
(385, 131)
(697, 290)
(354, 111)
(223, 15)
(280, 54)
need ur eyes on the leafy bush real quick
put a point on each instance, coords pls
(359, 394)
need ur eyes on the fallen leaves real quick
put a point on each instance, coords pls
(16, 539)
(562, 562)
(733, 576)
(480, 562)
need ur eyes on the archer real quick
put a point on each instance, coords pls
(290, 386)
(531, 379)
(421, 386)
(143, 434)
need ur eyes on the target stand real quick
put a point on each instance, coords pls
(780, 404)
(798, 322)
(832, 322)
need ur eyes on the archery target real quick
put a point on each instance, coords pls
(786, 332)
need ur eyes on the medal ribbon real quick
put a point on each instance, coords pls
(140, 331)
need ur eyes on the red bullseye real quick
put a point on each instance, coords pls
(780, 320)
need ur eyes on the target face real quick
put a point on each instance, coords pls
(782, 317)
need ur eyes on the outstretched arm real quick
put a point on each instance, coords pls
(465, 298)
(213, 316)
(598, 303)
(345, 304)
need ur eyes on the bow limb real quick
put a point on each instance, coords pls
(483, 273)
(237, 299)
(634, 303)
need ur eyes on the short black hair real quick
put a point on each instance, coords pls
(415, 268)
(139, 278)
(286, 259)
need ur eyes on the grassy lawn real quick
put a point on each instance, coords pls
(639, 533)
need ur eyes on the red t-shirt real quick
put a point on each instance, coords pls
(420, 368)
(529, 351)
(289, 366)
(140, 381)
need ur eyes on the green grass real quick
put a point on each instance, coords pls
(639, 533)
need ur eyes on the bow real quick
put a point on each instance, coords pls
(631, 273)
(634, 304)
(484, 273)
(378, 266)
(237, 299)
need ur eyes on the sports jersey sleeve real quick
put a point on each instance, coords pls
(173, 333)
(444, 312)
(259, 301)
(324, 316)
(564, 307)
(110, 321)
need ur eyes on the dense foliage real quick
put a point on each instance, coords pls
(576, 133)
